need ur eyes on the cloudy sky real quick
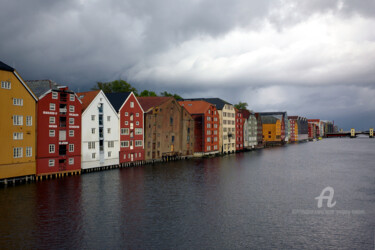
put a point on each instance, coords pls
(313, 58)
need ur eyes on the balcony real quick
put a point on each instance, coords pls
(63, 111)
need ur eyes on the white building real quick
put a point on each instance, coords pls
(100, 131)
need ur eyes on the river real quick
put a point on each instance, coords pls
(262, 199)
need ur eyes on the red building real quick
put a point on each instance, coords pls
(239, 130)
(314, 131)
(206, 126)
(131, 126)
(58, 130)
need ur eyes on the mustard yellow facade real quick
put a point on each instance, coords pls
(272, 132)
(17, 126)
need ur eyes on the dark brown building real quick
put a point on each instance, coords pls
(169, 128)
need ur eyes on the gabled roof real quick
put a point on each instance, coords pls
(40, 87)
(117, 99)
(269, 119)
(150, 102)
(87, 97)
(5, 67)
(219, 103)
(195, 107)
(245, 113)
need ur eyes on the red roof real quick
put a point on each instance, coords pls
(150, 102)
(196, 106)
(87, 97)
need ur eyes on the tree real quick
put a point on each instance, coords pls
(241, 105)
(115, 86)
(165, 93)
(148, 93)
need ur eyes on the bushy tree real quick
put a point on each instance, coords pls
(115, 86)
(241, 105)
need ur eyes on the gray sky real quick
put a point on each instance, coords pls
(312, 58)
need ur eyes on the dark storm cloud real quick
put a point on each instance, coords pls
(261, 52)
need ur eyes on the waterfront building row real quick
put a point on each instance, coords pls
(53, 130)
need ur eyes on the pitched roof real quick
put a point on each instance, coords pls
(219, 103)
(87, 97)
(5, 67)
(117, 99)
(195, 107)
(269, 119)
(150, 102)
(245, 113)
(40, 87)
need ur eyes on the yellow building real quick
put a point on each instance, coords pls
(271, 129)
(17, 126)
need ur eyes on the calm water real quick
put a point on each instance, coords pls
(240, 201)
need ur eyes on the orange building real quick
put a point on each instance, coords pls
(271, 130)
(17, 127)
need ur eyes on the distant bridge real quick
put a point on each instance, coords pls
(352, 133)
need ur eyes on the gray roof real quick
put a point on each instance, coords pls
(269, 119)
(40, 87)
(117, 99)
(219, 103)
(5, 67)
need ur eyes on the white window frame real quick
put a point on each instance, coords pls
(51, 148)
(72, 97)
(71, 133)
(111, 144)
(137, 114)
(29, 120)
(126, 123)
(17, 120)
(93, 131)
(52, 106)
(17, 152)
(124, 131)
(71, 161)
(6, 85)
(138, 131)
(55, 95)
(124, 144)
(71, 121)
(18, 136)
(132, 104)
(92, 117)
(52, 120)
(138, 143)
(71, 108)
(51, 163)
(93, 155)
(17, 101)
(29, 151)
(108, 130)
(71, 148)
(52, 133)
(126, 114)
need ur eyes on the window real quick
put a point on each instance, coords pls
(132, 104)
(29, 120)
(91, 145)
(71, 108)
(71, 161)
(208, 139)
(5, 85)
(93, 155)
(93, 118)
(29, 151)
(172, 138)
(18, 120)
(208, 148)
(71, 147)
(17, 136)
(111, 144)
(71, 120)
(139, 154)
(72, 98)
(52, 133)
(124, 131)
(137, 123)
(55, 95)
(108, 118)
(108, 130)
(137, 114)
(208, 118)
(126, 123)
(208, 132)
(52, 148)
(109, 153)
(171, 120)
(93, 131)
(17, 152)
(51, 163)
(138, 143)
(124, 144)
(138, 131)
(52, 106)
(51, 120)
(126, 114)
(17, 102)
(208, 125)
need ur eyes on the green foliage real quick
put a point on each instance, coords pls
(165, 93)
(148, 93)
(115, 86)
(241, 105)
